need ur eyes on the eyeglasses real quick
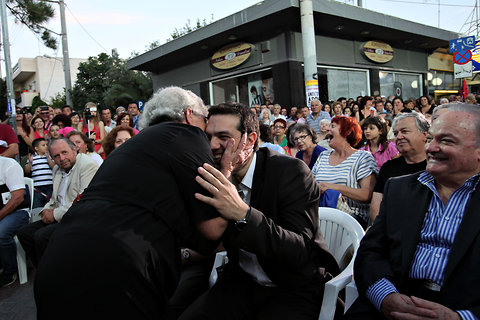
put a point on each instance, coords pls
(279, 127)
(300, 138)
(200, 115)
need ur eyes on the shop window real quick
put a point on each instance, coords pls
(249, 89)
(342, 82)
(405, 85)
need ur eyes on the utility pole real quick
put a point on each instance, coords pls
(309, 50)
(66, 58)
(8, 68)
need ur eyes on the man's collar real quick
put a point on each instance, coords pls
(247, 180)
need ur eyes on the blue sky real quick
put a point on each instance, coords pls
(95, 26)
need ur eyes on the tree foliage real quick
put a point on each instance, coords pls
(105, 80)
(59, 100)
(34, 14)
(187, 28)
(37, 101)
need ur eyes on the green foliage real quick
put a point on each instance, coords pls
(59, 100)
(37, 101)
(34, 14)
(105, 80)
(187, 28)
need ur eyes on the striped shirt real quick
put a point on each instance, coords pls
(315, 122)
(359, 165)
(41, 171)
(436, 239)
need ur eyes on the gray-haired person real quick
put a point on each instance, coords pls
(116, 254)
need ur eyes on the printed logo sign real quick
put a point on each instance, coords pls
(378, 51)
(231, 56)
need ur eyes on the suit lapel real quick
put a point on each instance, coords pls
(414, 214)
(258, 179)
(466, 233)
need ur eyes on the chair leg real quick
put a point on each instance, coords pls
(21, 262)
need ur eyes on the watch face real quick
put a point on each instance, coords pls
(240, 224)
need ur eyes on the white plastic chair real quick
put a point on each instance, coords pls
(351, 294)
(21, 258)
(342, 234)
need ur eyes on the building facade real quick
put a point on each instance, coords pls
(41, 76)
(256, 55)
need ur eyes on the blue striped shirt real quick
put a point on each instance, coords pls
(436, 239)
(315, 122)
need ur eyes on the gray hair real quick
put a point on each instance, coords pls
(471, 109)
(420, 121)
(325, 121)
(263, 111)
(70, 143)
(170, 104)
(443, 101)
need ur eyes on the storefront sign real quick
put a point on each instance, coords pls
(231, 56)
(378, 51)
(311, 87)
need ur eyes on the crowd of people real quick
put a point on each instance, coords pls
(248, 180)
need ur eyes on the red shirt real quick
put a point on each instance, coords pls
(8, 135)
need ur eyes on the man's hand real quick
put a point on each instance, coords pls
(400, 306)
(441, 312)
(232, 159)
(47, 216)
(225, 196)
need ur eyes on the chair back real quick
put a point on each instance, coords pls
(342, 234)
(31, 189)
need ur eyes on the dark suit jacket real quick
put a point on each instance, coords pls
(283, 226)
(388, 248)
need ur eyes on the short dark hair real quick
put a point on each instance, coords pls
(67, 122)
(37, 141)
(248, 122)
(67, 106)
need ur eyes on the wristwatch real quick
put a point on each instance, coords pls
(240, 224)
(185, 254)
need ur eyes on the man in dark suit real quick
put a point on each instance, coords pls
(420, 258)
(278, 260)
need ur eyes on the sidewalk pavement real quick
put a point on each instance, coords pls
(16, 300)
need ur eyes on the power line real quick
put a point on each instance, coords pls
(85, 29)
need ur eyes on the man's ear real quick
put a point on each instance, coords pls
(188, 116)
(251, 138)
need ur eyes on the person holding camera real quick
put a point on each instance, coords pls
(93, 127)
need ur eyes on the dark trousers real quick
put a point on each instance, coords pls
(34, 238)
(193, 283)
(237, 296)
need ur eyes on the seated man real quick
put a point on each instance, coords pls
(410, 131)
(13, 215)
(278, 260)
(420, 258)
(71, 175)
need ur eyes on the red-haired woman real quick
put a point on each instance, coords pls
(347, 170)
